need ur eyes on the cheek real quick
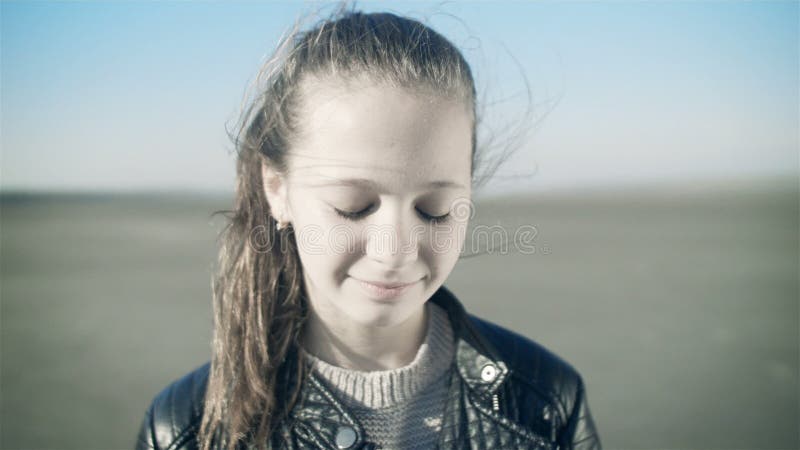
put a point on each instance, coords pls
(327, 249)
(448, 238)
(443, 247)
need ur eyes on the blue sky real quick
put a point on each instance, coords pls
(137, 95)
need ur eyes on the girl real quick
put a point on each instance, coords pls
(332, 327)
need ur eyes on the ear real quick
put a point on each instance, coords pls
(274, 185)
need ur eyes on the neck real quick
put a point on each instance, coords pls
(360, 347)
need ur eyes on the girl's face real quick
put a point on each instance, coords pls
(398, 164)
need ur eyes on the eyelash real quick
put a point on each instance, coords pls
(354, 216)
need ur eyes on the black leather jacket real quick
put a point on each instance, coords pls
(508, 392)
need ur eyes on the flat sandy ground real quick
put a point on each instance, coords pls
(679, 307)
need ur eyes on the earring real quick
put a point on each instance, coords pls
(280, 224)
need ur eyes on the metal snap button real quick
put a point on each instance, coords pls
(345, 437)
(489, 372)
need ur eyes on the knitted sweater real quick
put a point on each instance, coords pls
(400, 408)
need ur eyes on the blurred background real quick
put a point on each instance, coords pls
(656, 157)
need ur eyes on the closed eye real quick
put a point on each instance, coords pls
(352, 215)
(434, 219)
(358, 215)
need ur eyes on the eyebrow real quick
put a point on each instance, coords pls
(367, 183)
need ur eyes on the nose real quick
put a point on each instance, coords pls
(393, 238)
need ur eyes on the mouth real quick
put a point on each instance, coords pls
(384, 290)
(388, 285)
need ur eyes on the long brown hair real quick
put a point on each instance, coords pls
(259, 299)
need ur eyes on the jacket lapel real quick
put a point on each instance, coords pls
(472, 417)
(324, 421)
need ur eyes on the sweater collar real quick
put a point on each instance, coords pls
(386, 388)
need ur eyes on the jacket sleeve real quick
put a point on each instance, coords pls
(173, 418)
(146, 438)
(580, 432)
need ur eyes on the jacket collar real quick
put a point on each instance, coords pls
(329, 425)
(477, 361)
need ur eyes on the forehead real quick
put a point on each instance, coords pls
(390, 136)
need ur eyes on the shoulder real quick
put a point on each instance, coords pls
(174, 415)
(532, 364)
(539, 378)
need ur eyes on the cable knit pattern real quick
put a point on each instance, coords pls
(400, 408)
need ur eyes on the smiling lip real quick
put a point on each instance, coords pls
(388, 285)
(382, 291)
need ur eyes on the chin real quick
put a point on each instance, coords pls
(384, 314)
